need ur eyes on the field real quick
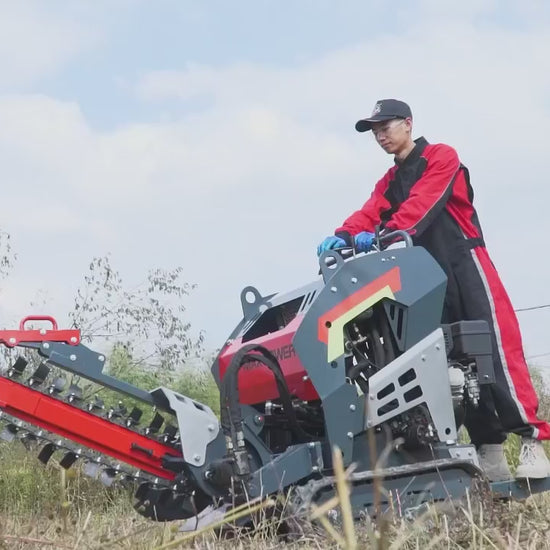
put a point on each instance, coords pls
(48, 507)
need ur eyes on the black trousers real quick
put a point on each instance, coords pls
(475, 291)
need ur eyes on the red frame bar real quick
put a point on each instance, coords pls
(12, 338)
(84, 428)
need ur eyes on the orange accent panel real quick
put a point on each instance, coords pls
(391, 278)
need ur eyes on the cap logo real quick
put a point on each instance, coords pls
(377, 109)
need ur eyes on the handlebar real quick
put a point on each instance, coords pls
(392, 236)
(389, 238)
(379, 239)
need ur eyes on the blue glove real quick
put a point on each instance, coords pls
(363, 241)
(329, 243)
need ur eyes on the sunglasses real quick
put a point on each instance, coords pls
(388, 127)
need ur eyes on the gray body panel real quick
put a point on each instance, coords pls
(427, 362)
(198, 425)
(423, 296)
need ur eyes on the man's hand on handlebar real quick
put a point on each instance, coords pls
(330, 243)
(364, 241)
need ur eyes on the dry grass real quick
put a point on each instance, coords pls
(77, 522)
(48, 508)
(41, 508)
(508, 525)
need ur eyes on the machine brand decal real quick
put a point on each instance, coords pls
(331, 324)
(281, 353)
(284, 352)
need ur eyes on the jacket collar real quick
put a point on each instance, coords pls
(414, 155)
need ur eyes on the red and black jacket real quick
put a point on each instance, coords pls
(419, 194)
(428, 195)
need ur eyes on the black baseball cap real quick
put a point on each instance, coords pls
(385, 109)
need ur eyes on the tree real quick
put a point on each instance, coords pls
(7, 256)
(147, 320)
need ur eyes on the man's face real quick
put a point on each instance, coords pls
(392, 135)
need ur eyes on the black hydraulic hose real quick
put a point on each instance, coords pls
(387, 336)
(359, 368)
(355, 372)
(231, 415)
(230, 410)
(284, 394)
(378, 349)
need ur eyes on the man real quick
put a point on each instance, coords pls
(428, 194)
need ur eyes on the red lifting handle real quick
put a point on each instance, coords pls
(38, 318)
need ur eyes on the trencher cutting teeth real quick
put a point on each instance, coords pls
(49, 444)
(95, 405)
(97, 467)
(9, 432)
(91, 468)
(117, 412)
(74, 393)
(155, 425)
(18, 367)
(134, 417)
(69, 458)
(39, 375)
(57, 386)
(46, 452)
(50, 415)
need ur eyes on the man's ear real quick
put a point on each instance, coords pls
(409, 123)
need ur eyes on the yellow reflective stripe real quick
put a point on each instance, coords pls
(335, 345)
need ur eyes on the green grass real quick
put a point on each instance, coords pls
(29, 487)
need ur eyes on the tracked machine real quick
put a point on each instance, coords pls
(357, 360)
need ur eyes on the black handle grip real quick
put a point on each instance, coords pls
(396, 235)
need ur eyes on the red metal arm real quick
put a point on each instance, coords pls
(84, 428)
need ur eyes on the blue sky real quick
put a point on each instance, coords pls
(219, 136)
(135, 37)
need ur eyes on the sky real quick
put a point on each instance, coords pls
(219, 136)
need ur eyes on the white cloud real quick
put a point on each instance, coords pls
(35, 42)
(241, 190)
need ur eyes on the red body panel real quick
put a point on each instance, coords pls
(84, 428)
(256, 382)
